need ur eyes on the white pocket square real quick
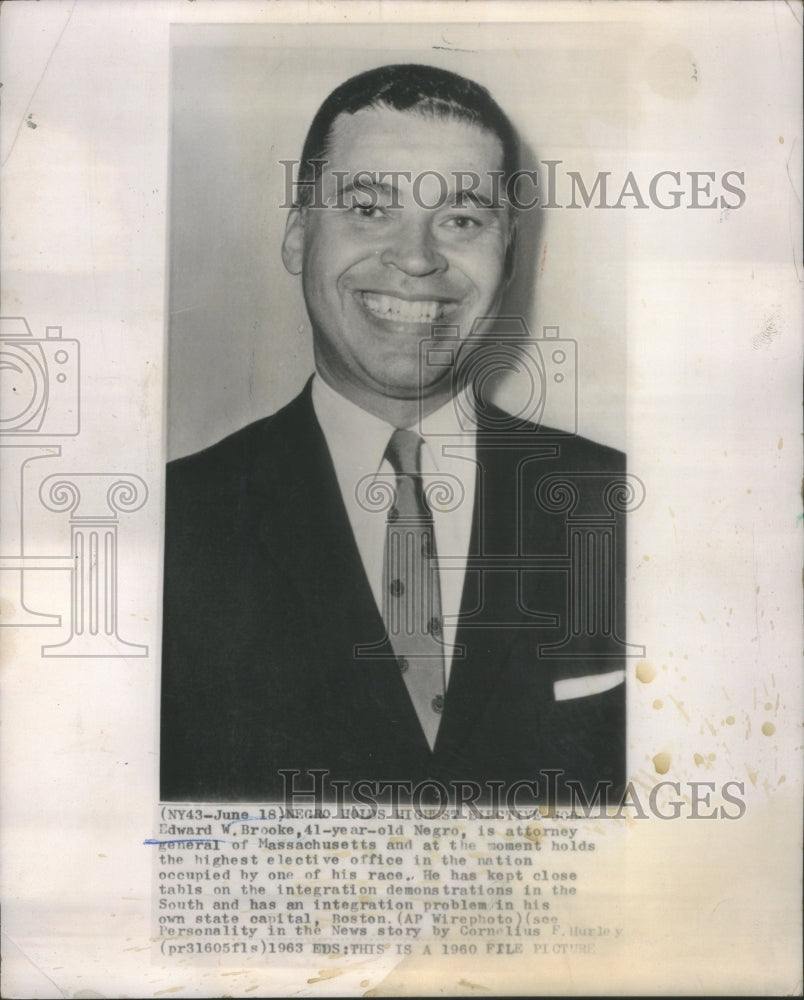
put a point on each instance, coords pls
(582, 687)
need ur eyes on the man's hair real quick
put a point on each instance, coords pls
(426, 90)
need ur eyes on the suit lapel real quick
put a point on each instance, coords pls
(490, 617)
(480, 650)
(302, 504)
(305, 527)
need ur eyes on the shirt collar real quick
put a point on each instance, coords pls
(357, 439)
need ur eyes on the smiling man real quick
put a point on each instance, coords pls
(379, 581)
(384, 261)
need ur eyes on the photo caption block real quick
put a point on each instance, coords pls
(240, 885)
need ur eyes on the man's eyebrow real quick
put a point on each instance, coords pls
(365, 182)
(462, 194)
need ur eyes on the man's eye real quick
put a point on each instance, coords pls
(369, 211)
(463, 222)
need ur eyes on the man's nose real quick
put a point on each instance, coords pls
(413, 249)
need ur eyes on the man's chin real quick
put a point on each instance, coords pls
(411, 386)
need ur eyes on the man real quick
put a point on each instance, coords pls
(380, 580)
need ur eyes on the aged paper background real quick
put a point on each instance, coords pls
(707, 311)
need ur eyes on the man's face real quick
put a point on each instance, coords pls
(384, 262)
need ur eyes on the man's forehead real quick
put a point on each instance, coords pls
(384, 139)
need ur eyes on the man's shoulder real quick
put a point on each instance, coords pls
(568, 448)
(269, 443)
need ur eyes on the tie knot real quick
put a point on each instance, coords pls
(403, 452)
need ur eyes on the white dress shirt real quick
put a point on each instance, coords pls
(357, 441)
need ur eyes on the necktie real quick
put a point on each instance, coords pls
(411, 592)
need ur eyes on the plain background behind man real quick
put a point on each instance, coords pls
(241, 107)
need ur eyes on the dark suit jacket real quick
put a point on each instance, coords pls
(266, 597)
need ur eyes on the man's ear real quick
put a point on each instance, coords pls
(293, 243)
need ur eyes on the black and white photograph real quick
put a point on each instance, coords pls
(442, 604)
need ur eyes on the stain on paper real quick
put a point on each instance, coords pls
(672, 71)
(645, 671)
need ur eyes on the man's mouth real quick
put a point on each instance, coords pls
(405, 310)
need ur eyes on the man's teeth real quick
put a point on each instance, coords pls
(390, 307)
